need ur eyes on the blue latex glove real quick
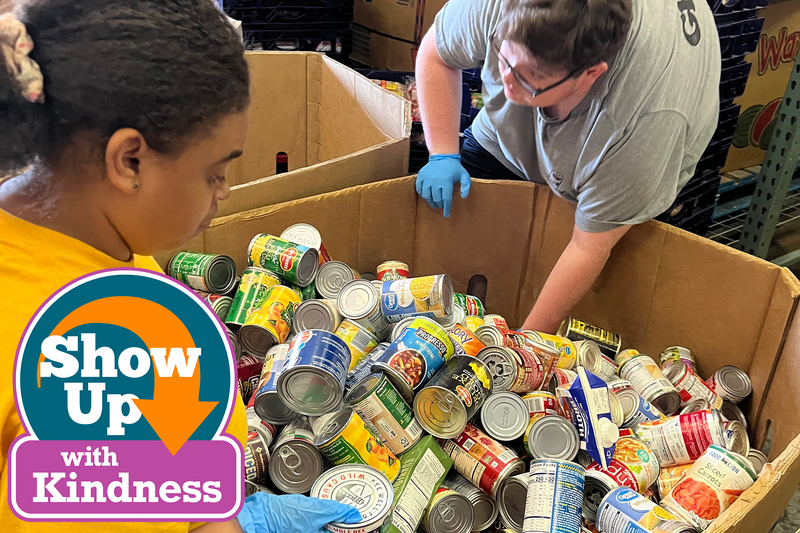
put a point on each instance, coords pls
(295, 513)
(435, 181)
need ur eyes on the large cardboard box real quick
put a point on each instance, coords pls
(772, 62)
(383, 52)
(336, 128)
(407, 20)
(662, 286)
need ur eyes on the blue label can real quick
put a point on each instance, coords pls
(626, 511)
(431, 297)
(266, 402)
(312, 382)
(555, 497)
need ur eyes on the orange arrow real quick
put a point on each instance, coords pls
(175, 412)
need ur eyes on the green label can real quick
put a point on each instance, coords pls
(306, 293)
(251, 295)
(471, 305)
(294, 263)
(205, 272)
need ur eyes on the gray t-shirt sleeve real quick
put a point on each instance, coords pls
(638, 180)
(463, 28)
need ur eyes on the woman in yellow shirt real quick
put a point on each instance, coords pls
(118, 119)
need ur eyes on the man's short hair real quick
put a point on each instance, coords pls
(567, 35)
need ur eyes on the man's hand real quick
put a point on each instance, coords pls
(577, 269)
(436, 180)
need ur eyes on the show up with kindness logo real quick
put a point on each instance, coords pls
(124, 383)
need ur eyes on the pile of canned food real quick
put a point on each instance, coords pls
(408, 401)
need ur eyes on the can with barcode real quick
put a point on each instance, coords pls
(576, 330)
(483, 506)
(555, 497)
(682, 439)
(471, 305)
(429, 296)
(540, 403)
(296, 463)
(307, 235)
(250, 295)
(203, 272)
(624, 510)
(364, 367)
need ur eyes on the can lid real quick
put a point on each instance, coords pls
(698, 404)
(758, 459)
(331, 278)
(502, 365)
(307, 267)
(362, 389)
(361, 486)
(674, 371)
(489, 335)
(256, 340)
(270, 408)
(512, 496)
(553, 437)
(736, 439)
(309, 390)
(617, 416)
(328, 427)
(734, 380)
(295, 466)
(221, 274)
(304, 234)
(453, 513)
(504, 416)
(731, 411)
(357, 299)
(668, 402)
(596, 487)
(589, 356)
(448, 295)
(399, 327)
(313, 314)
(485, 512)
(397, 378)
(629, 401)
(440, 412)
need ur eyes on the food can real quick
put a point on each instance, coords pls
(392, 271)
(758, 460)
(682, 439)
(312, 381)
(730, 383)
(692, 406)
(364, 367)
(305, 293)
(736, 439)
(235, 345)
(540, 403)
(563, 377)
(344, 438)
(495, 320)
(294, 263)
(618, 384)
(331, 277)
(448, 512)
(731, 411)
(296, 463)
(633, 465)
(575, 330)
(590, 357)
(647, 379)
(250, 295)
(376, 400)
(512, 496)
(689, 386)
(309, 236)
(248, 372)
(626, 511)
(464, 341)
(316, 314)
(363, 487)
(271, 324)
(492, 335)
(513, 369)
(635, 409)
(669, 477)
(255, 423)
(568, 353)
(399, 327)
(218, 303)
(555, 497)
(256, 457)
(359, 301)
(483, 506)
(204, 272)
(359, 340)
(430, 296)
(551, 437)
(471, 305)
(482, 460)
(679, 353)
(456, 317)
(710, 486)
(251, 488)
(267, 404)
(504, 416)
(625, 355)
(615, 408)
(415, 356)
(473, 323)
(453, 396)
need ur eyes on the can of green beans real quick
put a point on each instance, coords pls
(251, 295)
(294, 263)
(205, 272)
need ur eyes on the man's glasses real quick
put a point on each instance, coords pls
(517, 76)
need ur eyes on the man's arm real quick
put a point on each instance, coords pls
(576, 270)
(439, 93)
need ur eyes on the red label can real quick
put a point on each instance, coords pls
(248, 370)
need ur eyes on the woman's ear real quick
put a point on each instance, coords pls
(123, 151)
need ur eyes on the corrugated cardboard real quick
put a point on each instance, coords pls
(383, 52)
(337, 128)
(661, 287)
(772, 62)
(406, 20)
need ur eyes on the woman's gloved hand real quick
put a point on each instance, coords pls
(295, 513)
(435, 181)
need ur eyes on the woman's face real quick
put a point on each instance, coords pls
(177, 195)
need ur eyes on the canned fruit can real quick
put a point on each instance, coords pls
(482, 460)
(256, 457)
(296, 463)
(376, 400)
(364, 367)
(576, 330)
(592, 359)
(710, 486)
(250, 295)
(364, 488)
(568, 353)
(430, 296)
(267, 404)
(271, 324)
(294, 263)
(730, 383)
(669, 477)
(453, 396)
(678, 353)
(636, 409)
(513, 369)
(309, 236)
(359, 340)
(248, 371)
(359, 301)
(204, 272)
(316, 314)
(555, 497)
(736, 439)
(471, 305)
(496, 321)
(689, 386)
(551, 437)
(512, 497)
(647, 379)
(332, 276)
(448, 512)
(505, 416)
(758, 460)
(626, 511)
(483, 506)
(415, 356)
(312, 381)
(423, 469)
(473, 323)
(464, 341)
(392, 271)
(682, 439)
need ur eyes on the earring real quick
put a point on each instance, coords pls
(135, 185)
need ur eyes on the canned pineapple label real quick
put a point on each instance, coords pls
(119, 424)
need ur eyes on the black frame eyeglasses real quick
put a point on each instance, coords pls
(524, 83)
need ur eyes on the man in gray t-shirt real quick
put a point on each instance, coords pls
(609, 102)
